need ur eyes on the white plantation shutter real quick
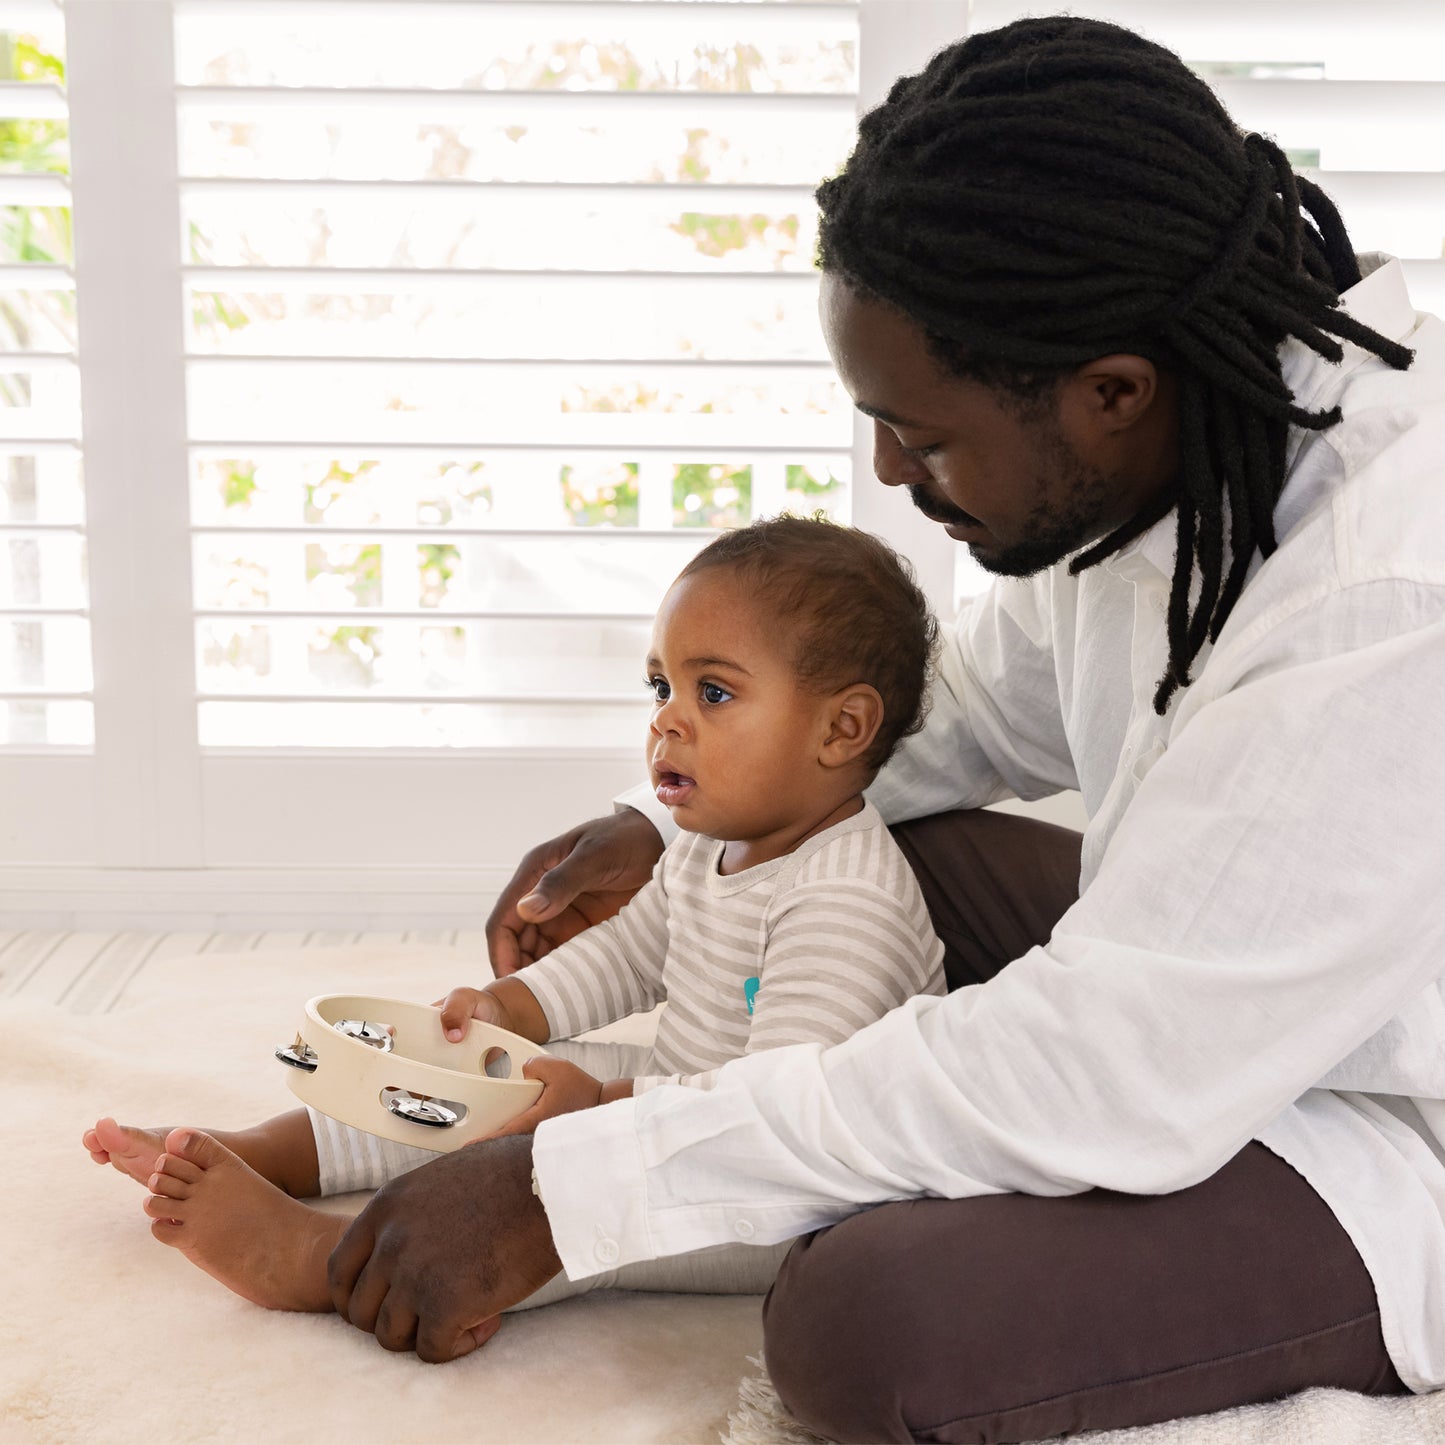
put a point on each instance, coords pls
(420, 342)
(498, 311)
(44, 600)
(429, 341)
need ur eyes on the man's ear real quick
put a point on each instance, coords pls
(1112, 393)
(855, 713)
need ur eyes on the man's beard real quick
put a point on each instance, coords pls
(1055, 528)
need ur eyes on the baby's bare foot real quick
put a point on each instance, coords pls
(240, 1229)
(132, 1150)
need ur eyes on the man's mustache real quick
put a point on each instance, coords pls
(939, 511)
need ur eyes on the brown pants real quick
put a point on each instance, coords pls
(1012, 1318)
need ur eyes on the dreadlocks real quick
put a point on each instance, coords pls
(1062, 189)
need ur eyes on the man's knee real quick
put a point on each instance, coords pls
(831, 1344)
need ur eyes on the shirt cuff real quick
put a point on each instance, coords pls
(588, 1166)
(642, 799)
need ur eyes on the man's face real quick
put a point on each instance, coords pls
(1022, 485)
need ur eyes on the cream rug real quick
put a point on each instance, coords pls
(1317, 1417)
(106, 1336)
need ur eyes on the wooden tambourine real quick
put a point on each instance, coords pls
(384, 1065)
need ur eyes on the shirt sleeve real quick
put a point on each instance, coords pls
(1268, 901)
(839, 957)
(642, 799)
(610, 970)
(995, 728)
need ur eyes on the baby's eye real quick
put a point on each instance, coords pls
(659, 688)
(713, 694)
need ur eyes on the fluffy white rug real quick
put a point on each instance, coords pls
(106, 1336)
(1317, 1417)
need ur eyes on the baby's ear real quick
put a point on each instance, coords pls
(855, 713)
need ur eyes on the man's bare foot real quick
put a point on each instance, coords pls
(242, 1230)
(132, 1150)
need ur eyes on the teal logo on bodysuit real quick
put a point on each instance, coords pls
(750, 991)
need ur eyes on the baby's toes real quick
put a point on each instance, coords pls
(169, 1186)
(160, 1206)
(168, 1231)
(181, 1170)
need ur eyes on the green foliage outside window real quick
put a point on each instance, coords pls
(238, 482)
(807, 488)
(329, 489)
(345, 658)
(604, 496)
(39, 235)
(718, 235)
(359, 567)
(713, 495)
(455, 492)
(436, 564)
(241, 650)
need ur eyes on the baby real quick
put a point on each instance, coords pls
(787, 661)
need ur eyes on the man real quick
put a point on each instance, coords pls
(1175, 1142)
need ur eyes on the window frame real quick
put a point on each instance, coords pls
(148, 829)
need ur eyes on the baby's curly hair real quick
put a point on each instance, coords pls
(853, 607)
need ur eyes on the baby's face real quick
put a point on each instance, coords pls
(734, 742)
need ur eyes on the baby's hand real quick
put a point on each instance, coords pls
(565, 1089)
(463, 1004)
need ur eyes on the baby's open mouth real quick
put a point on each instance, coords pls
(673, 789)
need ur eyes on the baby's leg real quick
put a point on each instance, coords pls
(229, 1219)
(281, 1150)
(723, 1269)
(349, 1159)
(605, 1059)
(242, 1230)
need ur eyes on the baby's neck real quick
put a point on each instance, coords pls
(740, 854)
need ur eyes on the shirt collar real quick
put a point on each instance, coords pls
(1381, 302)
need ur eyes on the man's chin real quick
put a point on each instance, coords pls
(1022, 559)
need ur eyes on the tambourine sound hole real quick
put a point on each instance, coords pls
(497, 1064)
(422, 1109)
(376, 1036)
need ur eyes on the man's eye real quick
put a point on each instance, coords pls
(923, 451)
(713, 694)
(659, 688)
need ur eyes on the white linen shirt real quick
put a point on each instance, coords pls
(1258, 948)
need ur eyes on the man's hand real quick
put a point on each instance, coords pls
(568, 884)
(565, 1089)
(437, 1254)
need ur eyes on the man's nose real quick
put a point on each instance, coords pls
(891, 464)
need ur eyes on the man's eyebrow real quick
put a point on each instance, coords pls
(884, 415)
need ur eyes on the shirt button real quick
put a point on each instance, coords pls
(606, 1251)
(744, 1229)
